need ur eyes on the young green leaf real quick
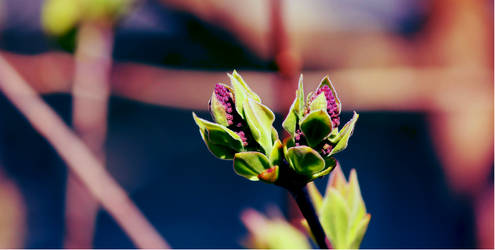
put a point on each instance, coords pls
(241, 92)
(330, 164)
(305, 160)
(260, 119)
(221, 141)
(250, 93)
(334, 217)
(315, 195)
(357, 235)
(277, 154)
(345, 133)
(316, 126)
(250, 164)
(296, 110)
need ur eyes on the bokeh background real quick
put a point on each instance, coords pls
(420, 73)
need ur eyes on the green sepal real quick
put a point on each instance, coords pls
(218, 111)
(305, 160)
(277, 154)
(316, 126)
(326, 81)
(260, 119)
(270, 175)
(330, 164)
(344, 134)
(221, 141)
(296, 110)
(250, 164)
(241, 92)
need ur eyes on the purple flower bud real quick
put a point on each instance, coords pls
(299, 138)
(224, 96)
(234, 121)
(332, 107)
(326, 149)
(243, 137)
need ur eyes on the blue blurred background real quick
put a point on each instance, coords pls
(405, 147)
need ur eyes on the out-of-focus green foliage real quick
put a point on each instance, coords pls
(272, 233)
(342, 210)
(60, 16)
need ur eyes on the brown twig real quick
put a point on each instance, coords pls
(90, 93)
(79, 159)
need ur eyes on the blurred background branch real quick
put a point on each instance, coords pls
(79, 158)
(90, 93)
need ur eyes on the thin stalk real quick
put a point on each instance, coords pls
(303, 201)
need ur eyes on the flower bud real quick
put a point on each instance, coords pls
(313, 122)
(242, 130)
(333, 109)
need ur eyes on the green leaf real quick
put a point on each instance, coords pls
(326, 81)
(315, 195)
(221, 141)
(316, 126)
(334, 218)
(250, 93)
(272, 233)
(347, 205)
(277, 154)
(357, 235)
(290, 122)
(260, 119)
(296, 110)
(305, 160)
(345, 133)
(250, 164)
(319, 103)
(354, 197)
(330, 164)
(274, 135)
(241, 92)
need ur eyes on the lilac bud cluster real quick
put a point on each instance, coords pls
(234, 120)
(332, 107)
